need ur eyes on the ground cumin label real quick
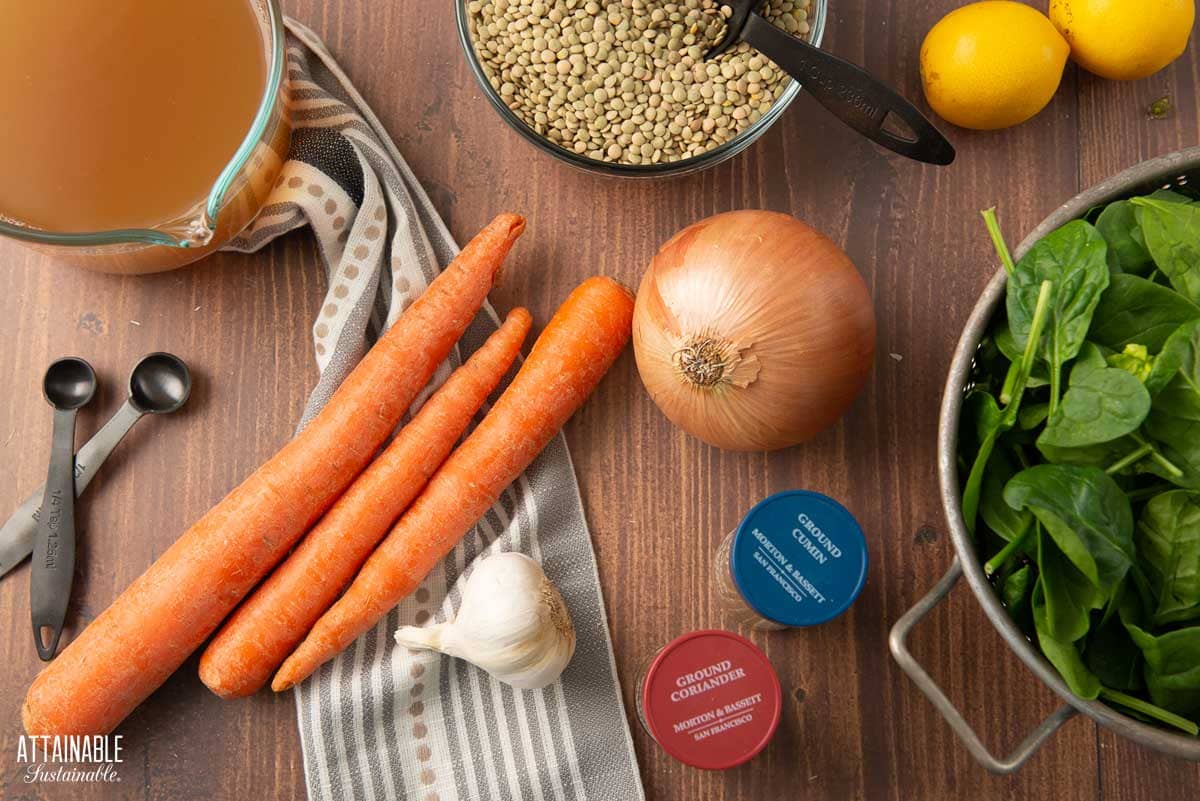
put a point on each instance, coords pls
(798, 559)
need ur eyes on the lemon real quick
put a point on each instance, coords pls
(992, 64)
(1124, 39)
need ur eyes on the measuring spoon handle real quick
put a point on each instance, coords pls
(851, 94)
(54, 546)
(17, 533)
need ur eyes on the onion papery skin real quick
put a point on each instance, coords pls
(753, 331)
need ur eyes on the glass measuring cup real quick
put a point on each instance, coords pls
(237, 192)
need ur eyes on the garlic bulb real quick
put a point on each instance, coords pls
(512, 623)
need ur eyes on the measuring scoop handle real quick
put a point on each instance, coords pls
(54, 546)
(17, 533)
(851, 94)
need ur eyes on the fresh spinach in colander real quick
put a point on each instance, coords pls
(1080, 444)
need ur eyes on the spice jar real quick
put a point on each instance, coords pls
(711, 699)
(797, 559)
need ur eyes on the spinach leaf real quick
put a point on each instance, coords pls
(1068, 596)
(1127, 456)
(1102, 404)
(983, 416)
(1119, 226)
(1172, 234)
(1011, 525)
(1174, 419)
(1016, 590)
(1038, 377)
(1111, 654)
(990, 420)
(1086, 514)
(1179, 358)
(1102, 455)
(1001, 518)
(1091, 358)
(1168, 542)
(1169, 196)
(1135, 360)
(1144, 710)
(1174, 424)
(1001, 247)
(1073, 259)
(1179, 465)
(1136, 311)
(1172, 667)
(1033, 415)
(1063, 655)
(1004, 558)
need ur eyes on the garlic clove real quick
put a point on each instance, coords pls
(423, 638)
(512, 622)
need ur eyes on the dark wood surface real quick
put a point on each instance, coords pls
(657, 501)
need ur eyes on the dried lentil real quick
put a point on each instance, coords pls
(625, 81)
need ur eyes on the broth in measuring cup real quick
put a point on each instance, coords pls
(122, 113)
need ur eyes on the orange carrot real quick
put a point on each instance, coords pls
(166, 613)
(567, 362)
(272, 622)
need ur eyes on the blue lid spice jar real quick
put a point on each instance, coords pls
(797, 559)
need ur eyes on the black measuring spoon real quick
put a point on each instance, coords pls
(159, 384)
(848, 91)
(68, 385)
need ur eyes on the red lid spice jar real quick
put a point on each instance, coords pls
(711, 699)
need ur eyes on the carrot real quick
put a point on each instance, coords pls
(272, 622)
(567, 362)
(166, 613)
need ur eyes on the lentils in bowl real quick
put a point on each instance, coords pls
(624, 84)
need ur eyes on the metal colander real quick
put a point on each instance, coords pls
(1175, 170)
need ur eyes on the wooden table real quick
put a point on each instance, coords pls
(657, 501)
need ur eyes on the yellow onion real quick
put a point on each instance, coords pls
(752, 331)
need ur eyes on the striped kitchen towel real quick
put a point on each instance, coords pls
(381, 722)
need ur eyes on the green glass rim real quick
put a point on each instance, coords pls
(220, 188)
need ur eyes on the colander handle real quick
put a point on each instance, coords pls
(898, 641)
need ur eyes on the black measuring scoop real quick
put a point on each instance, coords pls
(848, 91)
(159, 384)
(69, 384)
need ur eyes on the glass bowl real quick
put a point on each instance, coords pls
(723, 152)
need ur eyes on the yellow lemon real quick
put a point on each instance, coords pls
(1124, 39)
(992, 64)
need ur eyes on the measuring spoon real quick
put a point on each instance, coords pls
(160, 383)
(68, 385)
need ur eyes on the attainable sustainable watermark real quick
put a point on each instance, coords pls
(70, 758)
